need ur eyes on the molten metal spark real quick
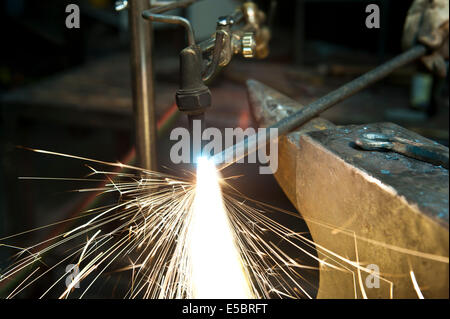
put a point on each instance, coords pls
(416, 285)
(179, 239)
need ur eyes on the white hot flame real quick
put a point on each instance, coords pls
(216, 265)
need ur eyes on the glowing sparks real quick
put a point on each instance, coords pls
(216, 266)
(416, 285)
(173, 238)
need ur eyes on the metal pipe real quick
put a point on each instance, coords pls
(154, 15)
(252, 143)
(157, 4)
(149, 15)
(123, 4)
(142, 85)
(173, 5)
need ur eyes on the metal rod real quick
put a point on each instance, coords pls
(252, 143)
(142, 85)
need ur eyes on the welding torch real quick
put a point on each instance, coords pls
(289, 123)
(242, 32)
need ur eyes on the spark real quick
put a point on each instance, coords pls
(179, 238)
(416, 285)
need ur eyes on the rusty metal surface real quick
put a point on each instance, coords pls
(379, 208)
(420, 183)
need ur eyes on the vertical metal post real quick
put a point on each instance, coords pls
(142, 84)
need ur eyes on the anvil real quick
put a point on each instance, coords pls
(378, 208)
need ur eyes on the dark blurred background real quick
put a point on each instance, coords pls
(68, 90)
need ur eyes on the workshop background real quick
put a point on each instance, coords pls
(69, 90)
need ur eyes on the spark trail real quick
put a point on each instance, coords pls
(169, 237)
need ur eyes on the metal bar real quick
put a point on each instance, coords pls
(143, 88)
(251, 144)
